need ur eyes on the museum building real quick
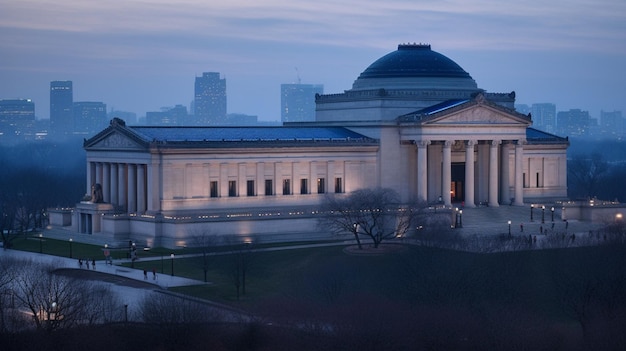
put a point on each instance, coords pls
(414, 121)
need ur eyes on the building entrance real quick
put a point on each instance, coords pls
(457, 189)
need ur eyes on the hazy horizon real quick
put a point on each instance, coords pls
(139, 56)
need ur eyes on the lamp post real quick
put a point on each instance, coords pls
(509, 223)
(70, 247)
(543, 214)
(172, 257)
(40, 243)
(532, 207)
(456, 217)
(460, 218)
(552, 209)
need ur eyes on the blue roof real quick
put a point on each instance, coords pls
(207, 134)
(537, 135)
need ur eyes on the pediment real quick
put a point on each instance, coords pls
(477, 114)
(115, 141)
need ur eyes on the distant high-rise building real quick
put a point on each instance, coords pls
(174, 116)
(17, 118)
(612, 123)
(210, 99)
(544, 117)
(61, 103)
(522, 108)
(574, 122)
(297, 101)
(89, 117)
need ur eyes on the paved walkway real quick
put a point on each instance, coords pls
(494, 221)
(162, 281)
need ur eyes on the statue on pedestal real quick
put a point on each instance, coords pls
(96, 193)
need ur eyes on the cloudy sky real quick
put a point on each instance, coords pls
(141, 55)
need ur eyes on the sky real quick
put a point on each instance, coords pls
(141, 55)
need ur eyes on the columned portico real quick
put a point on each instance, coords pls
(501, 171)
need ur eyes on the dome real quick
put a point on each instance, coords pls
(415, 63)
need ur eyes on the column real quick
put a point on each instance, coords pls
(505, 193)
(132, 189)
(493, 173)
(106, 182)
(469, 174)
(519, 173)
(422, 169)
(114, 187)
(121, 186)
(141, 189)
(99, 173)
(90, 177)
(446, 173)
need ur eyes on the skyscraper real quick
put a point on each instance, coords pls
(297, 101)
(17, 118)
(89, 117)
(544, 117)
(210, 99)
(61, 103)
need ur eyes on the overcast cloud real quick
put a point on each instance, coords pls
(141, 55)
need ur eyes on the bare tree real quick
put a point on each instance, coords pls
(586, 173)
(241, 258)
(205, 242)
(59, 302)
(373, 213)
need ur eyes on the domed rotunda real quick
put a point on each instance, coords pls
(406, 80)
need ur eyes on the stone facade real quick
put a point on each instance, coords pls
(452, 144)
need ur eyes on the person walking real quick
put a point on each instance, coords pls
(145, 274)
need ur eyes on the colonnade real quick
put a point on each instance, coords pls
(124, 185)
(498, 170)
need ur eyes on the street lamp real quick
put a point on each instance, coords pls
(70, 247)
(543, 214)
(40, 243)
(460, 218)
(532, 207)
(552, 209)
(456, 217)
(172, 257)
(509, 223)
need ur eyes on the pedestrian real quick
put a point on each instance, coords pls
(87, 263)
(521, 227)
(566, 224)
(153, 273)
(93, 264)
(145, 274)
(534, 239)
(80, 262)
(540, 229)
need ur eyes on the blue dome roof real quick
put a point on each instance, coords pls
(414, 60)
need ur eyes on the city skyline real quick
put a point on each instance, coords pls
(140, 56)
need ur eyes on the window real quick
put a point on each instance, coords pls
(213, 189)
(338, 185)
(286, 186)
(269, 187)
(524, 180)
(321, 185)
(250, 188)
(539, 185)
(304, 186)
(232, 188)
